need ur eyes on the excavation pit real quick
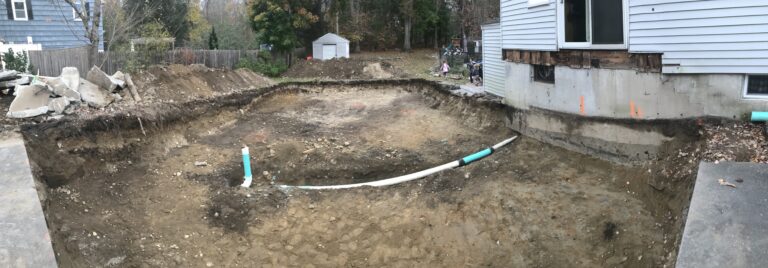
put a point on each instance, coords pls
(130, 194)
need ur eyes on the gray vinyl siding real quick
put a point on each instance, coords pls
(53, 26)
(493, 65)
(527, 28)
(700, 36)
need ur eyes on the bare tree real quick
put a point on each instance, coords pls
(91, 25)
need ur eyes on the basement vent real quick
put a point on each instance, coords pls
(757, 85)
(543, 73)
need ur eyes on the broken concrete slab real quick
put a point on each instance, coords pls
(24, 80)
(9, 75)
(58, 105)
(60, 88)
(71, 77)
(119, 76)
(93, 95)
(98, 77)
(30, 101)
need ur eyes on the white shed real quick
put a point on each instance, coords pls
(330, 46)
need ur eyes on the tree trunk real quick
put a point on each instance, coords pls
(464, 40)
(337, 22)
(93, 55)
(354, 15)
(407, 38)
(437, 25)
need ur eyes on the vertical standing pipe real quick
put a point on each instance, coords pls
(247, 168)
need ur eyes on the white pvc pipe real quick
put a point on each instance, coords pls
(396, 180)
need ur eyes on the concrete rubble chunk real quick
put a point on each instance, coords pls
(119, 76)
(71, 77)
(30, 101)
(24, 80)
(58, 105)
(98, 77)
(60, 88)
(8, 75)
(93, 95)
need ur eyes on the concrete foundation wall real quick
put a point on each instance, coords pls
(618, 140)
(630, 94)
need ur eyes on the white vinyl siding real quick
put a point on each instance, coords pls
(493, 65)
(528, 28)
(700, 36)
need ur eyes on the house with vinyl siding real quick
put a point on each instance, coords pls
(42, 24)
(630, 59)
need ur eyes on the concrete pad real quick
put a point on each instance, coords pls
(98, 77)
(24, 239)
(58, 105)
(71, 77)
(30, 101)
(727, 226)
(93, 95)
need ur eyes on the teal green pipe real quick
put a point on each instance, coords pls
(247, 168)
(476, 156)
(759, 116)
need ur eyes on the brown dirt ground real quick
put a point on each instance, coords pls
(135, 200)
(114, 198)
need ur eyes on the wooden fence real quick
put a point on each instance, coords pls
(50, 62)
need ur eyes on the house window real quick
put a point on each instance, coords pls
(756, 86)
(74, 11)
(544, 74)
(19, 9)
(598, 24)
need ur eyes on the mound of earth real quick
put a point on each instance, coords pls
(179, 83)
(344, 69)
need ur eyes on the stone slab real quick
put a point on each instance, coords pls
(93, 95)
(71, 77)
(24, 239)
(727, 226)
(30, 101)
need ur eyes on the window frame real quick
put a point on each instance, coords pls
(26, 10)
(79, 4)
(561, 43)
(745, 90)
(534, 74)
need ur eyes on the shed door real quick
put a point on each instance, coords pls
(329, 52)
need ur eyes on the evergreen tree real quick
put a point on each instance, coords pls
(213, 40)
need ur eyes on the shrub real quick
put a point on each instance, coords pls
(16, 61)
(264, 64)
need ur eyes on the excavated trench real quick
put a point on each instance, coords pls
(156, 187)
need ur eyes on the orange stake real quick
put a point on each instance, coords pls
(632, 109)
(581, 105)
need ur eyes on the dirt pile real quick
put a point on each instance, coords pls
(344, 69)
(180, 83)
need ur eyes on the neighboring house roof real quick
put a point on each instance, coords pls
(331, 38)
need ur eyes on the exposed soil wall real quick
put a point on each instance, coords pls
(124, 190)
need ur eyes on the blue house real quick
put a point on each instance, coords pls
(50, 24)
